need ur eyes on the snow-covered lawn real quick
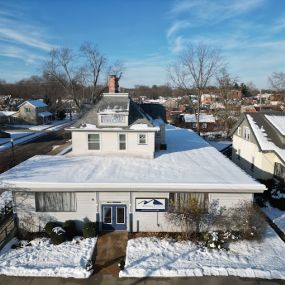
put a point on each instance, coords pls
(166, 258)
(41, 258)
(276, 215)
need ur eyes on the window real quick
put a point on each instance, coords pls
(239, 131)
(122, 142)
(93, 141)
(113, 119)
(194, 125)
(204, 126)
(279, 171)
(246, 133)
(120, 217)
(182, 200)
(55, 201)
(142, 139)
(27, 109)
(238, 154)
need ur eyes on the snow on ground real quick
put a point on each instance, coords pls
(41, 258)
(166, 258)
(15, 136)
(39, 131)
(5, 198)
(276, 215)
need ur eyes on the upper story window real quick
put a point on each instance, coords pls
(27, 109)
(246, 133)
(94, 141)
(113, 119)
(239, 131)
(122, 142)
(142, 139)
(204, 126)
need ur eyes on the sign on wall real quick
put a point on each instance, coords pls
(150, 204)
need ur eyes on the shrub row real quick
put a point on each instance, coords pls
(60, 232)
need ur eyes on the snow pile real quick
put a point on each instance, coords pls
(276, 215)
(41, 258)
(5, 198)
(263, 140)
(143, 127)
(166, 258)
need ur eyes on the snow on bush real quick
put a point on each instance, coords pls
(41, 258)
(168, 258)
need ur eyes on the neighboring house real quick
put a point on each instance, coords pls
(207, 122)
(34, 112)
(259, 144)
(7, 117)
(120, 174)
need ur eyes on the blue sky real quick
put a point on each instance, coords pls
(147, 35)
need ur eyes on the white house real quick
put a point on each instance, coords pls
(259, 144)
(122, 171)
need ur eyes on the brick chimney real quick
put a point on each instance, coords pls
(113, 84)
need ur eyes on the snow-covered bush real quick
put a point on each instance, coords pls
(219, 240)
(50, 225)
(58, 235)
(70, 228)
(89, 229)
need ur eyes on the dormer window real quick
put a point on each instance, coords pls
(113, 119)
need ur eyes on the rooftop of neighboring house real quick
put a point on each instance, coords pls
(35, 103)
(204, 118)
(269, 130)
(188, 164)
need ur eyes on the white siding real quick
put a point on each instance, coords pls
(25, 208)
(229, 200)
(109, 144)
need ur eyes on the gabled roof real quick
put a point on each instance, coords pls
(267, 129)
(114, 103)
(35, 103)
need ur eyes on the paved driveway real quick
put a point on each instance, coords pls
(109, 279)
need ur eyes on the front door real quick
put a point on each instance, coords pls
(114, 217)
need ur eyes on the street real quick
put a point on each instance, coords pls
(41, 145)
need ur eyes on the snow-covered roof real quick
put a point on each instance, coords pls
(7, 113)
(188, 164)
(278, 122)
(36, 103)
(45, 114)
(265, 142)
(204, 118)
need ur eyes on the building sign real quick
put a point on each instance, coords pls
(150, 204)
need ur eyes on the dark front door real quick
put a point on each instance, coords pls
(114, 217)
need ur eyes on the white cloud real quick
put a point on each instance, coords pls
(177, 26)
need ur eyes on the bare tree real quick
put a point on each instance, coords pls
(193, 70)
(95, 63)
(277, 81)
(61, 68)
(225, 84)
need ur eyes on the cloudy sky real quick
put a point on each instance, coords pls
(147, 35)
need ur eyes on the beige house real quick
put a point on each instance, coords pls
(34, 112)
(259, 144)
(123, 170)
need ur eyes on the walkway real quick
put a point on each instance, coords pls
(110, 249)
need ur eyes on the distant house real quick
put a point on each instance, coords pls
(6, 117)
(206, 122)
(34, 112)
(259, 144)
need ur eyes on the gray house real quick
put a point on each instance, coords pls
(34, 112)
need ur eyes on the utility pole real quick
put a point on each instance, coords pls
(13, 153)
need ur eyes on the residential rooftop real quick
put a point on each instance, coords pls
(188, 164)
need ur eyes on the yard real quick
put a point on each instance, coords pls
(167, 258)
(41, 258)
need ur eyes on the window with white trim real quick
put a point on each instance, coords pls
(239, 131)
(94, 141)
(122, 142)
(246, 133)
(142, 139)
(204, 126)
(55, 201)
